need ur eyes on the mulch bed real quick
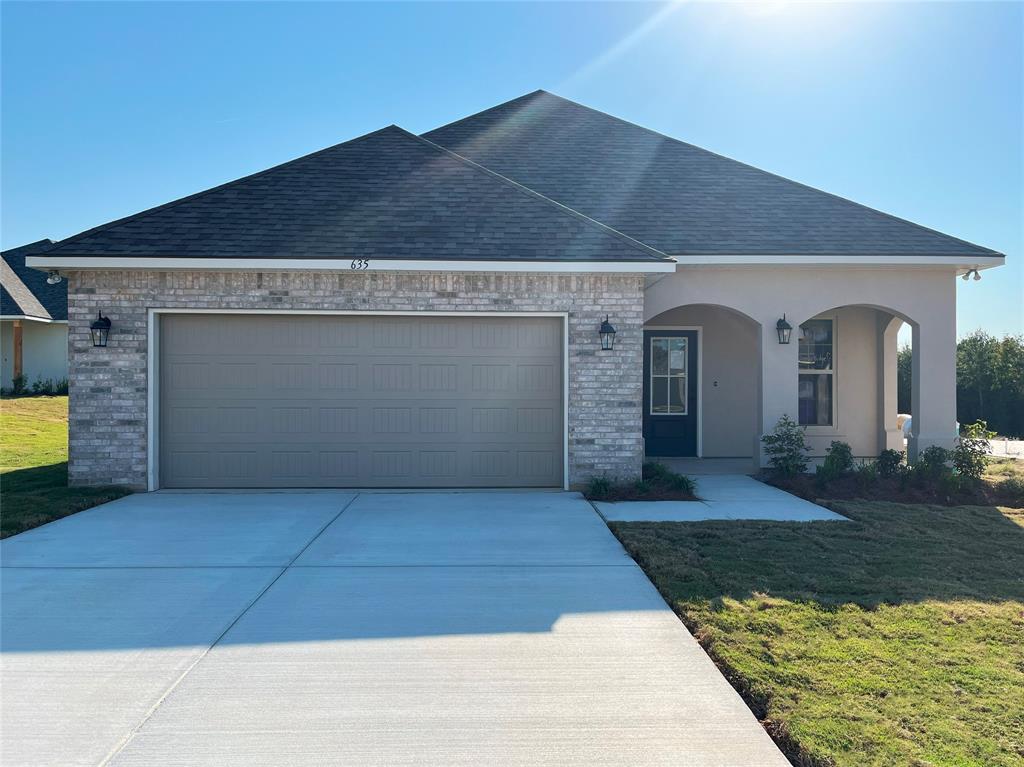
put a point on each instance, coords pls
(893, 489)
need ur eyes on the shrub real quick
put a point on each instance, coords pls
(866, 474)
(1012, 488)
(641, 487)
(654, 470)
(18, 385)
(890, 463)
(786, 448)
(971, 452)
(599, 487)
(931, 467)
(838, 461)
(680, 482)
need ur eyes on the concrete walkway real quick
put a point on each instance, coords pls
(727, 496)
(333, 628)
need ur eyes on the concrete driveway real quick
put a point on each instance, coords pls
(341, 628)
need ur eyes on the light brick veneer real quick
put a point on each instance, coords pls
(108, 423)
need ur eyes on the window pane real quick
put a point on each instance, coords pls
(677, 395)
(677, 356)
(659, 394)
(816, 345)
(815, 403)
(659, 356)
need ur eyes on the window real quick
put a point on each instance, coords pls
(816, 385)
(668, 376)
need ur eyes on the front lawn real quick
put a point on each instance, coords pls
(33, 466)
(895, 639)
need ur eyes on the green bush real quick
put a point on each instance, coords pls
(654, 470)
(599, 487)
(680, 482)
(971, 452)
(890, 463)
(838, 461)
(1013, 488)
(786, 448)
(866, 474)
(641, 487)
(932, 467)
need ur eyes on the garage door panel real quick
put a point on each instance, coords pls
(360, 401)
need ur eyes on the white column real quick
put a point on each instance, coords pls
(889, 437)
(779, 371)
(934, 384)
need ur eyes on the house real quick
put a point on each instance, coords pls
(425, 311)
(33, 321)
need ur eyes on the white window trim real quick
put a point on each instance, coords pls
(832, 428)
(153, 372)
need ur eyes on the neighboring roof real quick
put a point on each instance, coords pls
(387, 195)
(24, 291)
(673, 196)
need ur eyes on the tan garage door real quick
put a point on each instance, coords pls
(360, 401)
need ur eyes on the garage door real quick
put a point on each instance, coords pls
(360, 401)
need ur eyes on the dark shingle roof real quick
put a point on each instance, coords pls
(24, 290)
(387, 195)
(674, 196)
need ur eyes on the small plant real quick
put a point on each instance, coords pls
(680, 483)
(890, 463)
(641, 487)
(654, 471)
(786, 448)
(866, 474)
(838, 461)
(599, 487)
(971, 452)
(932, 465)
(1012, 488)
(18, 385)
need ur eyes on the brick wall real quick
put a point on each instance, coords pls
(108, 423)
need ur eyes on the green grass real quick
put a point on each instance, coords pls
(897, 639)
(33, 466)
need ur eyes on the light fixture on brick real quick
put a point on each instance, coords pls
(100, 330)
(607, 333)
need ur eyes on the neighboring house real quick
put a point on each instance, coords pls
(406, 311)
(33, 321)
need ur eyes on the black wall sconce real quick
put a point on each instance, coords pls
(607, 333)
(784, 329)
(100, 330)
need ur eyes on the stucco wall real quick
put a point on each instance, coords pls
(44, 352)
(923, 296)
(108, 410)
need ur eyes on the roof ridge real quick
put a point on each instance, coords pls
(195, 195)
(846, 200)
(522, 189)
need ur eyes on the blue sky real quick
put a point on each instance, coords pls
(914, 108)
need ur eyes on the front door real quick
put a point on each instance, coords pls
(670, 392)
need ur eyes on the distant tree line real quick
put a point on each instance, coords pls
(989, 381)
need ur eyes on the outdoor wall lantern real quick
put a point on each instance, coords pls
(784, 329)
(607, 333)
(100, 330)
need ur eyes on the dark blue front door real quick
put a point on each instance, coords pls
(670, 392)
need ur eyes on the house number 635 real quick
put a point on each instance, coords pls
(359, 264)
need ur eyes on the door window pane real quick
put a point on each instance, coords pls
(659, 356)
(677, 395)
(668, 376)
